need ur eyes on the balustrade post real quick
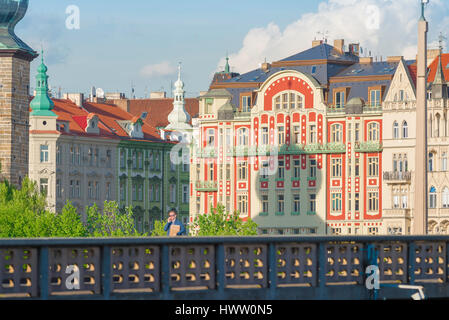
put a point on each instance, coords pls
(321, 269)
(44, 282)
(220, 269)
(165, 272)
(272, 270)
(106, 268)
(411, 262)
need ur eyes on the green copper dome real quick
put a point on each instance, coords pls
(42, 104)
(11, 12)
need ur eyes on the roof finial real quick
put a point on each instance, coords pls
(227, 68)
(423, 5)
(179, 70)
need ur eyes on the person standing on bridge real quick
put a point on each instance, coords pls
(174, 227)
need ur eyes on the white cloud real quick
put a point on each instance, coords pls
(384, 27)
(160, 69)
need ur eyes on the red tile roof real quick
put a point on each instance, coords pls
(109, 114)
(159, 109)
(434, 65)
(66, 110)
(412, 70)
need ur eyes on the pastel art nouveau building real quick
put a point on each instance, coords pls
(297, 144)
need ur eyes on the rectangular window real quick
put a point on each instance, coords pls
(312, 167)
(405, 202)
(336, 202)
(373, 167)
(58, 154)
(108, 191)
(312, 202)
(373, 201)
(297, 168)
(336, 168)
(296, 134)
(280, 203)
(296, 203)
(198, 204)
(357, 132)
(281, 169)
(89, 190)
(242, 201)
(281, 135)
(242, 168)
(246, 104)
(312, 134)
(122, 159)
(58, 188)
(90, 155)
(395, 201)
(228, 204)
(357, 167)
(357, 202)
(265, 135)
(211, 172)
(122, 191)
(340, 99)
(140, 159)
(185, 193)
(228, 172)
(44, 153)
(375, 98)
(173, 193)
(157, 192)
(97, 157)
(109, 158)
(134, 191)
(265, 203)
(211, 137)
(72, 155)
(72, 188)
(44, 186)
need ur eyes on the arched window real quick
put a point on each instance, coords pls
(242, 137)
(444, 162)
(431, 162)
(404, 130)
(445, 197)
(432, 198)
(288, 100)
(373, 131)
(336, 133)
(395, 130)
(437, 126)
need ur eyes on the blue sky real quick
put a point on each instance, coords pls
(119, 39)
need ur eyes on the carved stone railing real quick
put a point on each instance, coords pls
(287, 267)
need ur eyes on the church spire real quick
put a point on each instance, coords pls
(227, 67)
(439, 76)
(178, 118)
(42, 104)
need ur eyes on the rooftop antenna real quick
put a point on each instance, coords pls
(133, 96)
(441, 39)
(324, 34)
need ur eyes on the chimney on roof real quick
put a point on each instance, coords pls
(316, 43)
(338, 45)
(366, 60)
(266, 66)
(158, 95)
(395, 58)
(354, 48)
(76, 98)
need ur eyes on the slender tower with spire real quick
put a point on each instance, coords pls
(15, 58)
(420, 213)
(179, 118)
(42, 105)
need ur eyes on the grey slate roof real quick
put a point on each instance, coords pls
(323, 51)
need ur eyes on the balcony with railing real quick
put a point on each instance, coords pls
(397, 177)
(207, 186)
(368, 146)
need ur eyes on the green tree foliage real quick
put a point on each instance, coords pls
(158, 230)
(23, 214)
(221, 223)
(110, 222)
